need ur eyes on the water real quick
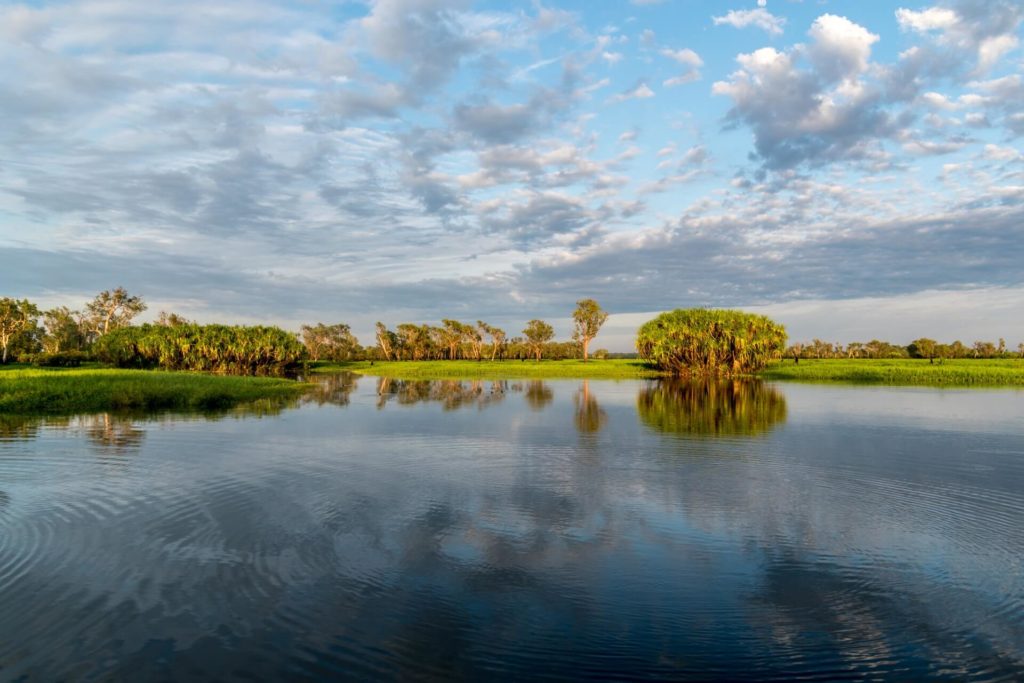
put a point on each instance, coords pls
(509, 529)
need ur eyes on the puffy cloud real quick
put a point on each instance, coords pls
(984, 30)
(689, 60)
(840, 49)
(640, 91)
(759, 18)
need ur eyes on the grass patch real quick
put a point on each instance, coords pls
(619, 368)
(82, 390)
(959, 372)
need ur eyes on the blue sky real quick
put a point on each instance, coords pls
(852, 168)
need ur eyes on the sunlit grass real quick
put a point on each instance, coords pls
(508, 369)
(959, 372)
(75, 390)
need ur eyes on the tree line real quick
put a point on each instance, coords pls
(919, 348)
(103, 330)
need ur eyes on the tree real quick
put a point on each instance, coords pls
(923, 348)
(700, 341)
(588, 317)
(537, 334)
(497, 336)
(111, 310)
(63, 330)
(16, 317)
(171, 319)
(331, 342)
(386, 340)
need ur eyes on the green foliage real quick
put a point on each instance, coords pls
(709, 342)
(711, 408)
(330, 342)
(212, 348)
(17, 318)
(62, 359)
(588, 318)
(606, 369)
(57, 392)
(538, 333)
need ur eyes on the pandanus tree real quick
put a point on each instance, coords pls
(712, 342)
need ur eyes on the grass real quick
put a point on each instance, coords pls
(30, 391)
(959, 372)
(618, 368)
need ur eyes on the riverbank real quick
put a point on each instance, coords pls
(82, 390)
(507, 369)
(901, 371)
(960, 372)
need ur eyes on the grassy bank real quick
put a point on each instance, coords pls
(509, 369)
(82, 390)
(960, 372)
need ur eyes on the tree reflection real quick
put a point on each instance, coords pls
(711, 408)
(451, 394)
(538, 394)
(335, 389)
(590, 417)
(18, 428)
(111, 433)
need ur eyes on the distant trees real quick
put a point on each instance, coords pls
(497, 337)
(706, 342)
(588, 318)
(537, 334)
(63, 330)
(16, 318)
(923, 348)
(330, 342)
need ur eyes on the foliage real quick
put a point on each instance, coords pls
(588, 318)
(60, 359)
(16, 318)
(330, 342)
(111, 310)
(39, 391)
(709, 342)
(214, 348)
(63, 330)
(711, 408)
(537, 334)
(958, 372)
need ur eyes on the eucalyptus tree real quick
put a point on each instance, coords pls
(588, 317)
(452, 334)
(496, 334)
(386, 341)
(332, 342)
(63, 328)
(537, 334)
(171, 319)
(111, 310)
(16, 318)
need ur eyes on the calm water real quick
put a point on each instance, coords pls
(510, 529)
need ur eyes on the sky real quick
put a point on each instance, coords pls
(853, 169)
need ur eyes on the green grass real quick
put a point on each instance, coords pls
(508, 369)
(79, 390)
(960, 372)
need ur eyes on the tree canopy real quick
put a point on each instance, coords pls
(588, 318)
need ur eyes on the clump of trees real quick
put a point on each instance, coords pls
(236, 350)
(710, 342)
(710, 407)
(331, 342)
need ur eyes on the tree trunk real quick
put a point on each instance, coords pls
(586, 343)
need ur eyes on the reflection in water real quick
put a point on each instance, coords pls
(111, 433)
(538, 394)
(590, 416)
(452, 394)
(335, 388)
(18, 428)
(711, 408)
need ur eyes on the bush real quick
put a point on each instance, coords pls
(60, 359)
(705, 342)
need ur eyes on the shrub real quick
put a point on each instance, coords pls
(60, 359)
(704, 342)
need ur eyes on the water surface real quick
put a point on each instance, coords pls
(560, 529)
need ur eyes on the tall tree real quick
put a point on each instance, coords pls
(16, 317)
(497, 336)
(537, 334)
(386, 340)
(332, 342)
(588, 317)
(111, 310)
(63, 330)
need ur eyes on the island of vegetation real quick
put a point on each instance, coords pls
(64, 361)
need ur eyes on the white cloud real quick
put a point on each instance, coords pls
(759, 18)
(640, 91)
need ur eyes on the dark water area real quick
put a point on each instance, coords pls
(381, 529)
